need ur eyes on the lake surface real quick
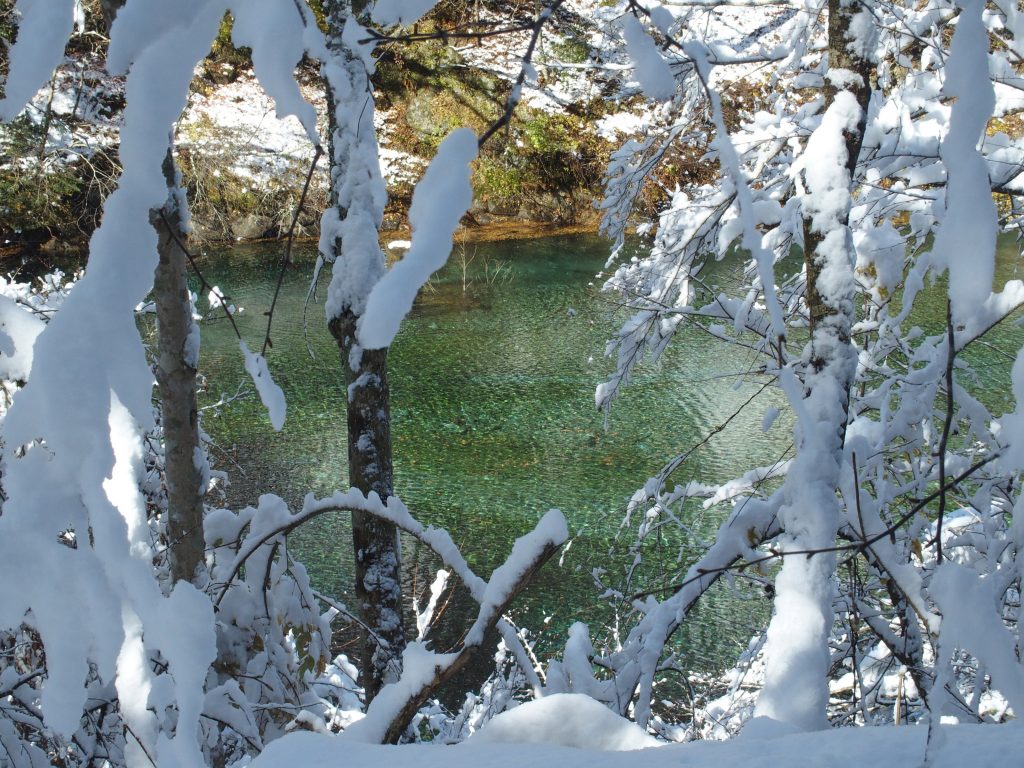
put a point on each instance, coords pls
(492, 381)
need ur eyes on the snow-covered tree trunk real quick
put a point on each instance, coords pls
(796, 690)
(350, 239)
(177, 359)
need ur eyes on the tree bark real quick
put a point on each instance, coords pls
(184, 463)
(796, 690)
(357, 198)
(177, 353)
(375, 542)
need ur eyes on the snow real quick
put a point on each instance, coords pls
(978, 746)
(399, 167)
(424, 617)
(419, 667)
(270, 393)
(550, 531)
(966, 240)
(74, 463)
(43, 31)
(349, 227)
(968, 624)
(84, 476)
(650, 68)
(18, 332)
(438, 204)
(770, 415)
(564, 719)
(400, 12)
(614, 126)
(275, 31)
(242, 116)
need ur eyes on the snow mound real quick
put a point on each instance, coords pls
(568, 720)
(977, 746)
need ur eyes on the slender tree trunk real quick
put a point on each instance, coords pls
(352, 239)
(796, 689)
(840, 57)
(177, 356)
(375, 542)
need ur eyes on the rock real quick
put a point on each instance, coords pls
(206, 231)
(503, 207)
(251, 227)
(422, 117)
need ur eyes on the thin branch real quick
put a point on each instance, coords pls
(142, 746)
(947, 426)
(855, 547)
(459, 33)
(286, 260)
(517, 87)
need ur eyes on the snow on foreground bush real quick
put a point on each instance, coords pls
(858, 165)
(871, 156)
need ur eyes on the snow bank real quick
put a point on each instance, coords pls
(979, 746)
(568, 720)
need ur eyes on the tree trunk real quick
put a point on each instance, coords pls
(177, 358)
(375, 542)
(352, 239)
(840, 57)
(797, 651)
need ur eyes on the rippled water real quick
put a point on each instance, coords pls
(492, 380)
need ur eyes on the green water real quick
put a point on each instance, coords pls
(492, 381)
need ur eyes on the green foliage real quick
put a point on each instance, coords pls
(432, 66)
(36, 189)
(543, 158)
(7, 25)
(541, 161)
(570, 50)
(225, 62)
(548, 133)
(8, 32)
(498, 181)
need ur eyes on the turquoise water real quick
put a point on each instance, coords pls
(492, 380)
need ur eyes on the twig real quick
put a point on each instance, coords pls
(517, 87)
(142, 746)
(854, 548)
(408, 38)
(342, 610)
(947, 425)
(287, 259)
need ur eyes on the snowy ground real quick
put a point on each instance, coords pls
(241, 116)
(552, 732)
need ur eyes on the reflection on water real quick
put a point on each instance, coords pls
(492, 379)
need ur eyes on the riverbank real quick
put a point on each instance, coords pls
(73, 253)
(243, 166)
